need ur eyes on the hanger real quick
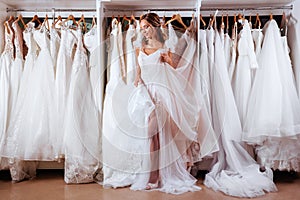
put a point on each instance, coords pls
(222, 22)
(57, 20)
(11, 18)
(71, 17)
(35, 19)
(82, 20)
(202, 20)
(227, 24)
(94, 21)
(283, 25)
(178, 18)
(271, 16)
(20, 18)
(257, 22)
(47, 22)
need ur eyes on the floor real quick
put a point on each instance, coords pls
(49, 184)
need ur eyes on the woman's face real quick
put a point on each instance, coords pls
(147, 29)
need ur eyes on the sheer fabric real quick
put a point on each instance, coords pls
(82, 139)
(234, 166)
(63, 74)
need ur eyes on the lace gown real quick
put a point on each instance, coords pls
(5, 64)
(16, 67)
(63, 73)
(54, 45)
(120, 168)
(32, 132)
(96, 69)
(82, 139)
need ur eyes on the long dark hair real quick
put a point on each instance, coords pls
(153, 19)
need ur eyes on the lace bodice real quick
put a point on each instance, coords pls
(90, 39)
(42, 39)
(18, 40)
(9, 46)
(80, 58)
(29, 40)
(68, 40)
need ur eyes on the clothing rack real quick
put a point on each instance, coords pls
(266, 10)
(63, 12)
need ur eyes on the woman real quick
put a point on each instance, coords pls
(174, 118)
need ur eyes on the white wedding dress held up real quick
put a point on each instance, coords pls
(235, 173)
(5, 63)
(82, 138)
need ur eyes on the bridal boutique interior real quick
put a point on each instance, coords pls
(74, 123)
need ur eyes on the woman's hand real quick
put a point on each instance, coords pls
(137, 80)
(166, 57)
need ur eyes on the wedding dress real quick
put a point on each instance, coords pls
(246, 62)
(235, 172)
(32, 129)
(16, 68)
(5, 64)
(63, 73)
(82, 138)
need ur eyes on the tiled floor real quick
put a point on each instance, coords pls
(49, 184)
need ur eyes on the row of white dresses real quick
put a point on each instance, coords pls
(53, 112)
(266, 96)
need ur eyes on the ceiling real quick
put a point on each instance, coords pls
(147, 4)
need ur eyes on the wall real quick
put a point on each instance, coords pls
(296, 13)
(3, 16)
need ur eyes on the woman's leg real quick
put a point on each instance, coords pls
(154, 147)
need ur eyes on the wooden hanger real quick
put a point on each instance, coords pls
(283, 24)
(177, 18)
(11, 18)
(234, 18)
(20, 18)
(57, 20)
(202, 20)
(71, 17)
(211, 21)
(35, 19)
(257, 21)
(271, 16)
(82, 20)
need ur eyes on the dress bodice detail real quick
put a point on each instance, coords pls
(9, 46)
